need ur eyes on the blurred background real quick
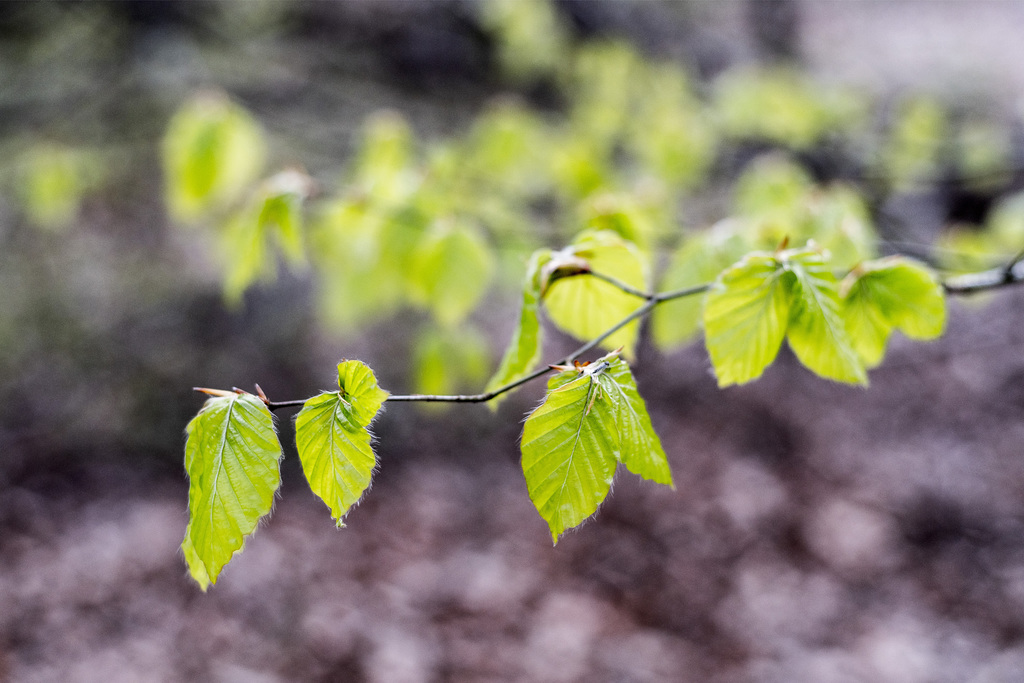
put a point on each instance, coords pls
(817, 532)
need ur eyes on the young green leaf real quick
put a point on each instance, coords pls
(585, 306)
(274, 215)
(816, 331)
(52, 180)
(231, 457)
(212, 150)
(333, 438)
(591, 418)
(452, 268)
(570, 449)
(640, 448)
(746, 312)
(524, 349)
(891, 293)
(699, 260)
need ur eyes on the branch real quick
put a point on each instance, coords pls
(1010, 274)
(1004, 276)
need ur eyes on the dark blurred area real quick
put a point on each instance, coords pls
(817, 532)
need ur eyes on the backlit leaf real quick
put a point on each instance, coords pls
(333, 438)
(585, 306)
(570, 451)
(640, 448)
(698, 261)
(273, 218)
(212, 151)
(745, 317)
(452, 269)
(891, 293)
(591, 418)
(524, 349)
(231, 456)
(51, 182)
(363, 258)
(816, 332)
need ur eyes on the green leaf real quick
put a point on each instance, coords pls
(280, 212)
(52, 180)
(839, 221)
(363, 257)
(212, 150)
(698, 261)
(570, 449)
(585, 306)
(639, 447)
(912, 151)
(272, 217)
(591, 418)
(333, 438)
(746, 313)
(529, 38)
(524, 350)
(816, 332)
(382, 169)
(452, 269)
(891, 293)
(231, 456)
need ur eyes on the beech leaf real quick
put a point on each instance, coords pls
(231, 456)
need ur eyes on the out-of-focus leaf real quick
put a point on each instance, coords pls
(698, 261)
(273, 217)
(363, 256)
(445, 362)
(531, 42)
(772, 187)
(52, 180)
(671, 134)
(585, 306)
(911, 152)
(1005, 224)
(783, 106)
(604, 82)
(231, 456)
(524, 350)
(622, 214)
(983, 155)
(580, 167)
(891, 293)
(452, 269)
(333, 438)
(382, 170)
(212, 151)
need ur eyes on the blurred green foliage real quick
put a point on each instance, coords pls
(612, 166)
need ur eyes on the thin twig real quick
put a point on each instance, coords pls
(994, 278)
(1010, 274)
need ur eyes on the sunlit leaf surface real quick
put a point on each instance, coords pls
(231, 457)
(333, 438)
